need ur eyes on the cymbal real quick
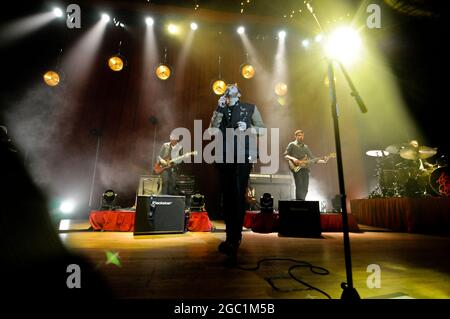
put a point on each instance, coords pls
(414, 153)
(426, 152)
(377, 153)
(395, 148)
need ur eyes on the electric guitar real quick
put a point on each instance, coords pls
(158, 168)
(305, 162)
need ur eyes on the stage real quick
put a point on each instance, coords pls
(402, 214)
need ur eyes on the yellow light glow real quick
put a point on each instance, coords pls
(219, 87)
(248, 71)
(344, 45)
(163, 72)
(51, 78)
(115, 63)
(281, 89)
(173, 29)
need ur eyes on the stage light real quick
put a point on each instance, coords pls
(105, 17)
(281, 89)
(122, 25)
(52, 78)
(266, 203)
(318, 38)
(109, 198)
(343, 44)
(149, 21)
(282, 34)
(67, 206)
(305, 43)
(197, 203)
(58, 12)
(241, 30)
(173, 29)
(194, 26)
(247, 71)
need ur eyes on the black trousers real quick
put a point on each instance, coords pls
(169, 182)
(234, 182)
(301, 179)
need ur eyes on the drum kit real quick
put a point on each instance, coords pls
(403, 171)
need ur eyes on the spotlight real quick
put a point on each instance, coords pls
(197, 203)
(266, 203)
(247, 71)
(305, 43)
(241, 30)
(105, 17)
(172, 28)
(343, 44)
(282, 34)
(122, 25)
(281, 89)
(52, 78)
(116, 63)
(219, 87)
(319, 38)
(149, 21)
(67, 206)
(109, 198)
(194, 26)
(58, 12)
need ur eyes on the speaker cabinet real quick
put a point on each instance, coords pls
(299, 219)
(159, 215)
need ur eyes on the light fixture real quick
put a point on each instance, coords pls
(55, 76)
(58, 12)
(194, 26)
(163, 70)
(105, 17)
(67, 206)
(282, 34)
(247, 70)
(266, 203)
(281, 88)
(241, 30)
(51, 78)
(117, 62)
(109, 198)
(149, 21)
(219, 86)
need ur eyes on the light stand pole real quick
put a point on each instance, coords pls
(98, 134)
(349, 292)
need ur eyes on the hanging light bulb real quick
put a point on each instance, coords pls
(163, 70)
(55, 76)
(117, 62)
(219, 86)
(247, 70)
(51, 78)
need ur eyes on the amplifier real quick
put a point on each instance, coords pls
(299, 218)
(159, 215)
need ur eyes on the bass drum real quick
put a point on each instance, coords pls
(440, 181)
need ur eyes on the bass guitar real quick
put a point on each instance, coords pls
(305, 162)
(158, 168)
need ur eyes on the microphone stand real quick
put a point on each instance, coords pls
(349, 292)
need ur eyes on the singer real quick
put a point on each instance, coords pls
(232, 114)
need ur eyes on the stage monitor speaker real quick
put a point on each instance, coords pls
(299, 218)
(159, 215)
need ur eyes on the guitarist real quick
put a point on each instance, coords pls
(297, 152)
(168, 151)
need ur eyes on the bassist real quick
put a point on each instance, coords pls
(299, 155)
